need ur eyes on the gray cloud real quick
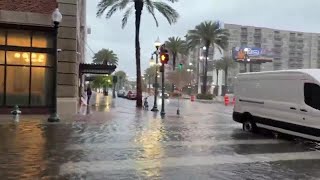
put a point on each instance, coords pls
(284, 14)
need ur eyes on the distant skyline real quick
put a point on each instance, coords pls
(284, 14)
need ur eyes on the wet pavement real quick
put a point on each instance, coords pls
(117, 141)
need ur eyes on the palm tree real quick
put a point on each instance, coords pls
(122, 77)
(209, 34)
(105, 56)
(226, 63)
(176, 46)
(117, 5)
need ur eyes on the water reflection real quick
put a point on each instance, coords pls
(22, 150)
(150, 141)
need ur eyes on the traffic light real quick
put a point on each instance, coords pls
(164, 56)
(180, 66)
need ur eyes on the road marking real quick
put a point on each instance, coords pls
(193, 161)
(101, 146)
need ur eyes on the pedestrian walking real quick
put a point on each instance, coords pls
(89, 93)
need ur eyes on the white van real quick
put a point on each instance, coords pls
(283, 101)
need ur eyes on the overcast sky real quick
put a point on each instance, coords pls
(295, 15)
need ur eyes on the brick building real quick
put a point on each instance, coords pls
(26, 49)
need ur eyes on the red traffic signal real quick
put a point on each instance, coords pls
(164, 57)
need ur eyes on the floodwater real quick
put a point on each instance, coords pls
(117, 141)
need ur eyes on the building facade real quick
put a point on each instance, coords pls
(26, 54)
(291, 49)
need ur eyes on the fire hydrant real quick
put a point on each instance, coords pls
(16, 112)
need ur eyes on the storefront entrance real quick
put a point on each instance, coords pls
(26, 67)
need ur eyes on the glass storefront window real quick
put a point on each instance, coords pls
(42, 40)
(2, 37)
(2, 57)
(19, 38)
(41, 59)
(18, 58)
(17, 86)
(1, 84)
(41, 86)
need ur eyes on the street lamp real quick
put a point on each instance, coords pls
(56, 19)
(157, 44)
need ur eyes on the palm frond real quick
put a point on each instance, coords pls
(126, 16)
(167, 11)
(150, 8)
(103, 5)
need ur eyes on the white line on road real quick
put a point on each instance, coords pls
(101, 146)
(194, 161)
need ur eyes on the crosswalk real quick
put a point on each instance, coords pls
(207, 145)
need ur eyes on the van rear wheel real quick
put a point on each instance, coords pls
(248, 125)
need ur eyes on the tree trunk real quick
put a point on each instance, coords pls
(205, 77)
(138, 7)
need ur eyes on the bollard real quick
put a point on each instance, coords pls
(192, 97)
(16, 112)
(226, 100)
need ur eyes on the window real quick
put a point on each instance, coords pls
(2, 57)
(19, 38)
(1, 84)
(17, 91)
(41, 86)
(41, 40)
(2, 37)
(18, 58)
(312, 95)
(26, 68)
(41, 59)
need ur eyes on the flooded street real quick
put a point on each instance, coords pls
(117, 141)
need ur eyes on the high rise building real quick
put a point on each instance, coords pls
(291, 49)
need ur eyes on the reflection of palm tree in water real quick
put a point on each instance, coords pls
(150, 141)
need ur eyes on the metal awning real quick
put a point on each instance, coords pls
(96, 68)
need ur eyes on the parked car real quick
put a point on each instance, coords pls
(166, 95)
(122, 93)
(132, 95)
(283, 101)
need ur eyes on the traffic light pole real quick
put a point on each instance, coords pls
(163, 89)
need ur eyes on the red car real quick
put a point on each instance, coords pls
(132, 95)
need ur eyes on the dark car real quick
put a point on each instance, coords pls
(122, 93)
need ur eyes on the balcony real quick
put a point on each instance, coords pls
(257, 35)
(277, 50)
(278, 43)
(256, 40)
(292, 39)
(244, 33)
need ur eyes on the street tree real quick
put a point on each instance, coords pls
(226, 64)
(151, 5)
(180, 78)
(176, 46)
(105, 56)
(210, 35)
(122, 78)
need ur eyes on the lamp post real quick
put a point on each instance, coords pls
(157, 44)
(56, 18)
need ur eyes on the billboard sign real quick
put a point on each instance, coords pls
(258, 55)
